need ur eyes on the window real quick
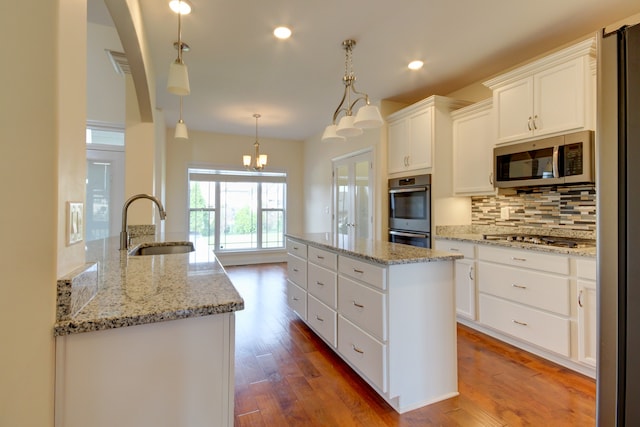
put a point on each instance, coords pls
(237, 210)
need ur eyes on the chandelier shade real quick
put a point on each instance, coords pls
(368, 115)
(181, 130)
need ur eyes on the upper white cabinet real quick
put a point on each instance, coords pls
(473, 142)
(548, 96)
(413, 130)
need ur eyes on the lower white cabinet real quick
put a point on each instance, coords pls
(542, 302)
(174, 373)
(393, 324)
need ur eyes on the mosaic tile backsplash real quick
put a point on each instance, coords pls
(570, 207)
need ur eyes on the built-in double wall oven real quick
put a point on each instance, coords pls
(410, 210)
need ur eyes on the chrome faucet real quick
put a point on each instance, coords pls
(124, 237)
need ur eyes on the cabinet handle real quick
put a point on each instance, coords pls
(296, 270)
(355, 270)
(491, 178)
(454, 249)
(529, 123)
(319, 283)
(358, 305)
(295, 248)
(470, 272)
(580, 298)
(519, 323)
(356, 349)
(535, 126)
(518, 259)
(295, 298)
(319, 318)
(518, 286)
(320, 257)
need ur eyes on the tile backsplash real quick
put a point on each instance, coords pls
(571, 207)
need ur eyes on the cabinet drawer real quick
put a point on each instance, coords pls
(586, 268)
(528, 324)
(324, 258)
(322, 319)
(525, 259)
(364, 306)
(297, 270)
(322, 284)
(297, 299)
(297, 248)
(368, 273)
(464, 248)
(365, 353)
(533, 288)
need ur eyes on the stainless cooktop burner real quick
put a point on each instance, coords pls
(564, 242)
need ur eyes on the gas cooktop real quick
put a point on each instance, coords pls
(563, 242)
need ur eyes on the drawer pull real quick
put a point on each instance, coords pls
(519, 323)
(454, 249)
(355, 270)
(319, 318)
(320, 257)
(296, 270)
(518, 259)
(358, 305)
(513, 285)
(295, 248)
(356, 349)
(319, 283)
(295, 299)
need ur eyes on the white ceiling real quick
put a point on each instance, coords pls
(237, 68)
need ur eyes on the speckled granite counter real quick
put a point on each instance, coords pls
(116, 290)
(376, 251)
(474, 234)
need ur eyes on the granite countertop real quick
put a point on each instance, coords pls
(375, 251)
(115, 289)
(475, 235)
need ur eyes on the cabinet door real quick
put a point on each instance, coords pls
(559, 98)
(514, 110)
(473, 140)
(587, 318)
(420, 139)
(465, 288)
(397, 146)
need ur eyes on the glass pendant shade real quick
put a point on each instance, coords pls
(246, 160)
(346, 127)
(181, 130)
(368, 117)
(178, 82)
(330, 135)
(262, 160)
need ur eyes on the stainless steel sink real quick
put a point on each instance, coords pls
(162, 248)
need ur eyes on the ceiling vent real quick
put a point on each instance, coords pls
(119, 62)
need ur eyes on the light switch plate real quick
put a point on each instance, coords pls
(75, 224)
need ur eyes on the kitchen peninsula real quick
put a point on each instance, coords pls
(387, 309)
(145, 341)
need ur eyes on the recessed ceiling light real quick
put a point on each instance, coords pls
(282, 32)
(415, 65)
(180, 6)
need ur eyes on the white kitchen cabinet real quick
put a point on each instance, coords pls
(413, 131)
(587, 311)
(474, 137)
(322, 293)
(464, 275)
(297, 277)
(175, 373)
(549, 96)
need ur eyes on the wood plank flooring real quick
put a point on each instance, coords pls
(287, 376)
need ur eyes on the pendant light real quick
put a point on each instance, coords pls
(178, 81)
(259, 161)
(181, 127)
(368, 115)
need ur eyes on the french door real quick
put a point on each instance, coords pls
(353, 196)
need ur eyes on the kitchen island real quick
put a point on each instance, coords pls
(145, 340)
(387, 309)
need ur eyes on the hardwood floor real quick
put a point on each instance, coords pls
(287, 376)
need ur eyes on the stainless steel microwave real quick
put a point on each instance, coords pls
(558, 160)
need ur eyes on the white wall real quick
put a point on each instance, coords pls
(211, 149)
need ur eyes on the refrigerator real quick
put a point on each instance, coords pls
(618, 228)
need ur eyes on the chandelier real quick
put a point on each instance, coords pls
(258, 161)
(368, 115)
